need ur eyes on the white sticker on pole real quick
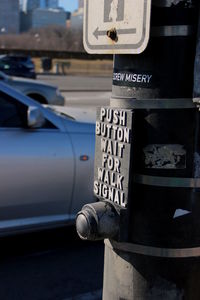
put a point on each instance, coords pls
(116, 26)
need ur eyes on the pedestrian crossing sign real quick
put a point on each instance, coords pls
(116, 26)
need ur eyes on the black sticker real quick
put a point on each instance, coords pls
(144, 79)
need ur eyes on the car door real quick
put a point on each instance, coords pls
(36, 170)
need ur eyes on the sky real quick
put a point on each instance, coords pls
(69, 5)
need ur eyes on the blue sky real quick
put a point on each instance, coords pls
(69, 5)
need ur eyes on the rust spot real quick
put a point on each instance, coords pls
(112, 34)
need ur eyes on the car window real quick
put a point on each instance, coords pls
(12, 112)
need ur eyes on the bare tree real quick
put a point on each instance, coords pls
(46, 38)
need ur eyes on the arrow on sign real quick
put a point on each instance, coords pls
(98, 32)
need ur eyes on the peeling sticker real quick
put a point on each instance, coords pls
(170, 3)
(196, 165)
(165, 290)
(158, 156)
(186, 2)
(181, 212)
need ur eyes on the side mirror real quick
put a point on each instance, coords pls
(35, 117)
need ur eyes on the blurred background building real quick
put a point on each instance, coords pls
(22, 15)
(42, 18)
(9, 16)
(42, 13)
(49, 4)
(28, 5)
(77, 17)
(80, 3)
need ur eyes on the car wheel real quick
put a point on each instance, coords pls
(38, 98)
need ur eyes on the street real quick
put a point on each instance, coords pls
(53, 265)
(82, 90)
(67, 83)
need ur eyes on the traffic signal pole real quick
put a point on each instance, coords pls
(147, 164)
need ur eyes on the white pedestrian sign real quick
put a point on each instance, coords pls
(116, 26)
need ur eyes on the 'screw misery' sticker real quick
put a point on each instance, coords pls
(133, 78)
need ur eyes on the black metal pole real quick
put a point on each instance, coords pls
(147, 164)
(159, 259)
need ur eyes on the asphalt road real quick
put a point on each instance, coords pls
(52, 265)
(71, 83)
(93, 99)
(82, 90)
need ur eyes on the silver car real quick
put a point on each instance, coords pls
(46, 163)
(42, 92)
